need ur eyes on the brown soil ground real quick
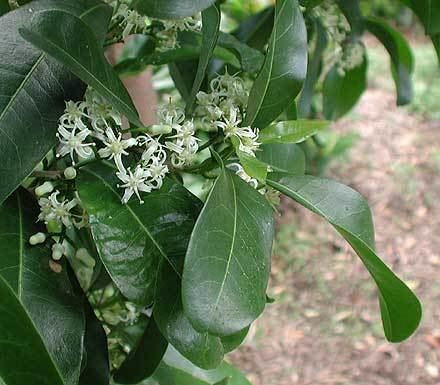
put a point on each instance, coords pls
(324, 328)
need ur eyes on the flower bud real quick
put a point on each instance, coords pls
(57, 251)
(37, 239)
(159, 129)
(84, 256)
(45, 188)
(70, 173)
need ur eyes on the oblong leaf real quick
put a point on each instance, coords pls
(210, 32)
(341, 92)
(96, 361)
(284, 70)
(349, 213)
(402, 60)
(33, 89)
(47, 296)
(144, 358)
(291, 131)
(200, 348)
(81, 54)
(228, 259)
(132, 238)
(24, 358)
(176, 370)
(283, 157)
(171, 9)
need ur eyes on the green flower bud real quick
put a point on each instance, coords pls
(53, 227)
(45, 188)
(159, 129)
(84, 256)
(37, 239)
(57, 251)
(70, 173)
(84, 275)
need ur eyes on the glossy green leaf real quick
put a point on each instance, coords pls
(341, 92)
(283, 157)
(202, 349)
(428, 12)
(171, 9)
(133, 238)
(24, 358)
(253, 166)
(144, 358)
(183, 75)
(4, 7)
(228, 259)
(255, 30)
(350, 215)
(96, 369)
(210, 30)
(251, 60)
(402, 60)
(314, 68)
(83, 55)
(176, 370)
(284, 69)
(47, 296)
(33, 90)
(232, 342)
(291, 131)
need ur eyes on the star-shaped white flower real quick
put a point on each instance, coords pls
(73, 142)
(134, 183)
(115, 147)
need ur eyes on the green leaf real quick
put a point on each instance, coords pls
(284, 70)
(352, 12)
(176, 370)
(202, 349)
(133, 238)
(292, 131)
(228, 259)
(83, 55)
(232, 342)
(171, 9)
(210, 30)
(4, 7)
(33, 90)
(24, 358)
(256, 29)
(428, 12)
(183, 75)
(342, 92)
(402, 60)
(283, 157)
(144, 357)
(96, 370)
(314, 68)
(251, 60)
(253, 166)
(350, 215)
(47, 296)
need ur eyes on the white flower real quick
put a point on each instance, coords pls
(158, 172)
(230, 125)
(170, 114)
(100, 112)
(154, 151)
(72, 142)
(73, 116)
(115, 147)
(134, 183)
(53, 210)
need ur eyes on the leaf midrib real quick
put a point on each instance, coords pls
(32, 70)
(130, 210)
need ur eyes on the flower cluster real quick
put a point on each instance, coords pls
(183, 144)
(224, 106)
(93, 123)
(351, 57)
(129, 21)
